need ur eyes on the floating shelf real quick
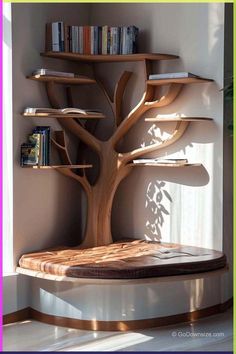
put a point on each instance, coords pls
(109, 57)
(63, 80)
(58, 166)
(186, 80)
(64, 116)
(179, 119)
(166, 165)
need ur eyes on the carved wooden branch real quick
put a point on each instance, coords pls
(116, 102)
(71, 124)
(144, 105)
(119, 93)
(59, 143)
(178, 132)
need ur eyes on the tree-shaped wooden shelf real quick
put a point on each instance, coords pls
(58, 166)
(183, 81)
(63, 80)
(109, 57)
(177, 119)
(115, 166)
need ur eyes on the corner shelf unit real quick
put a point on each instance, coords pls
(98, 261)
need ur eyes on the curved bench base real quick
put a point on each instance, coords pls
(129, 304)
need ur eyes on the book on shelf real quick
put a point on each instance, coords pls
(92, 40)
(63, 111)
(179, 75)
(48, 72)
(36, 152)
(161, 161)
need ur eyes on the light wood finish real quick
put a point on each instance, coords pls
(109, 58)
(63, 80)
(114, 165)
(178, 119)
(125, 260)
(95, 325)
(167, 164)
(58, 166)
(184, 81)
(64, 116)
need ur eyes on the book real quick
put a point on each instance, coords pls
(171, 76)
(44, 131)
(55, 37)
(35, 139)
(68, 110)
(48, 72)
(161, 161)
(28, 155)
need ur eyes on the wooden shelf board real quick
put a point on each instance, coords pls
(186, 80)
(166, 165)
(63, 80)
(179, 119)
(109, 57)
(58, 166)
(64, 116)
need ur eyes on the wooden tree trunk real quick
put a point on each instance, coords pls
(100, 198)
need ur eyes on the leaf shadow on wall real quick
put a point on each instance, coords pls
(157, 197)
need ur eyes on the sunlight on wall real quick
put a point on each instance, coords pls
(7, 143)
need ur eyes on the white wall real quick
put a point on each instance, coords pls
(46, 204)
(195, 32)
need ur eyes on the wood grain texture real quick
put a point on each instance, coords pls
(109, 58)
(63, 80)
(125, 260)
(95, 325)
(183, 81)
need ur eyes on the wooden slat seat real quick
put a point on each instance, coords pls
(124, 260)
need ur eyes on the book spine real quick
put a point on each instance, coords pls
(62, 37)
(91, 39)
(108, 40)
(55, 37)
(81, 50)
(95, 40)
(66, 36)
(104, 39)
(99, 40)
(48, 37)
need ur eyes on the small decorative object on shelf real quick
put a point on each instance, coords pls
(93, 40)
(37, 151)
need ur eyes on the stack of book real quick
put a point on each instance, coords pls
(36, 152)
(91, 39)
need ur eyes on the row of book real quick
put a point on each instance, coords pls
(36, 152)
(91, 39)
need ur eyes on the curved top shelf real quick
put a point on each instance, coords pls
(185, 80)
(63, 80)
(109, 58)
